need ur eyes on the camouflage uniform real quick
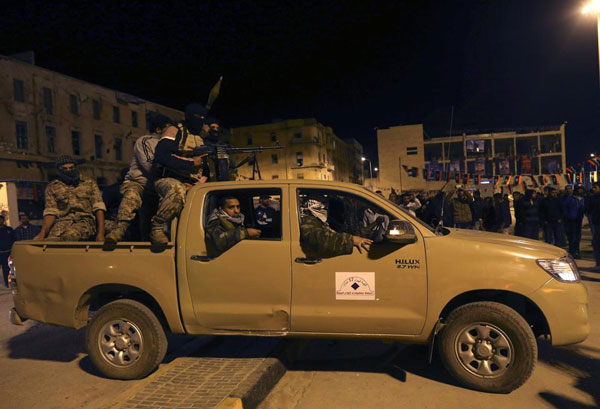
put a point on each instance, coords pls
(318, 240)
(221, 235)
(74, 208)
(172, 198)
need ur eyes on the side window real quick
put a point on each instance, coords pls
(328, 219)
(231, 216)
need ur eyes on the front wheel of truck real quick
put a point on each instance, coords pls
(488, 346)
(125, 340)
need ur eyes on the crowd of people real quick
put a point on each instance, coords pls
(556, 215)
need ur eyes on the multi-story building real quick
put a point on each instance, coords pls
(309, 150)
(409, 160)
(44, 114)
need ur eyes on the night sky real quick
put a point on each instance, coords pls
(352, 65)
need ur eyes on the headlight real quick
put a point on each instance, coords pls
(563, 269)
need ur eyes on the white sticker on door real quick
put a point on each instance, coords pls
(354, 286)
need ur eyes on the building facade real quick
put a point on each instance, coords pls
(408, 160)
(309, 150)
(44, 114)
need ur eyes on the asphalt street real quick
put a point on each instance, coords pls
(360, 374)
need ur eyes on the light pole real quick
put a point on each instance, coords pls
(370, 171)
(593, 7)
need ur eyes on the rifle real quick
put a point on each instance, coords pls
(220, 154)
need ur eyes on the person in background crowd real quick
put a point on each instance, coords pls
(502, 213)
(74, 206)
(462, 210)
(393, 197)
(530, 208)
(477, 206)
(26, 231)
(517, 197)
(593, 211)
(489, 215)
(551, 215)
(410, 204)
(7, 238)
(573, 209)
(423, 198)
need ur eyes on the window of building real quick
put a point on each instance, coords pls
(51, 138)
(550, 143)
(248, 140)
(411, 150)
(273, 137)
(433, 152)
(134, 119)
(300, 176)
(73, 104)
(48, 101)
(527, 146)
(275, 177)
(98, 146)
(116, 115)
(454, 151)
(299, 159)
(21, 132)
(96, 109)
(76, 142)
(274, 159)
(118, 149)
(552, 164)
(19, 90)
(298, 135)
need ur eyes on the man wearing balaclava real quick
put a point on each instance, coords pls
(318, 240)
(74, 208)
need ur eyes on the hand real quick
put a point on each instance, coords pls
(253, 233)
(199, 160)
(361, 242)
(39, 236)
(100, 236)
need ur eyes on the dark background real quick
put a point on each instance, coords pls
(352, 65)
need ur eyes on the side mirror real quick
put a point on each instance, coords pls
(400, 232)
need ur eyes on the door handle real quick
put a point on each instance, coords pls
(201, 258)
(305, 260)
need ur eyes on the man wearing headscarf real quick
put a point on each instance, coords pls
(318, 240)
(225, 227)
(74, 206)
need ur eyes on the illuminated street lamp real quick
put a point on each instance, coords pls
(370, 171)
(593, 7)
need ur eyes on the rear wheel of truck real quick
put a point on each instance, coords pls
(125, 340)
(488, 347)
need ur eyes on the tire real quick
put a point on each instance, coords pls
(488, 347)
(125, 340)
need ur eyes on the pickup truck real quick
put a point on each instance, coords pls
(482, 297)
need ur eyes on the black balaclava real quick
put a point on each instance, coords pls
(68, 177)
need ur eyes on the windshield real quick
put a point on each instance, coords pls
(407, 214)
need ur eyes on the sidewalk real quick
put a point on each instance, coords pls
(242, 369)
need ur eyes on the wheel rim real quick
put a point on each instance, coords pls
(120, 343)
(484, 350)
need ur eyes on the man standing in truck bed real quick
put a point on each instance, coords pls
(73, 206)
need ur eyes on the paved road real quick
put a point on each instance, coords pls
(353, 374)
(42, 366)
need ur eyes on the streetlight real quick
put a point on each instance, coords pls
(593, 7)
(370, 171)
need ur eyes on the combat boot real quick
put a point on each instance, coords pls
(116, 234)
(157, 234)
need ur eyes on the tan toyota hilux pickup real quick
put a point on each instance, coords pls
(481, 298)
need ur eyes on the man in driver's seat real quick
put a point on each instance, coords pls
(225, 227)
(318, 240)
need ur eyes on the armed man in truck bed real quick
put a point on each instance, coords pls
(74, 206)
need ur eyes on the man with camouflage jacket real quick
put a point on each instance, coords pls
(225, 227)
(318, 240)
(73, 206)
(136, 178)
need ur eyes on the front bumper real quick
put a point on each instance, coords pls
(565, 306)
